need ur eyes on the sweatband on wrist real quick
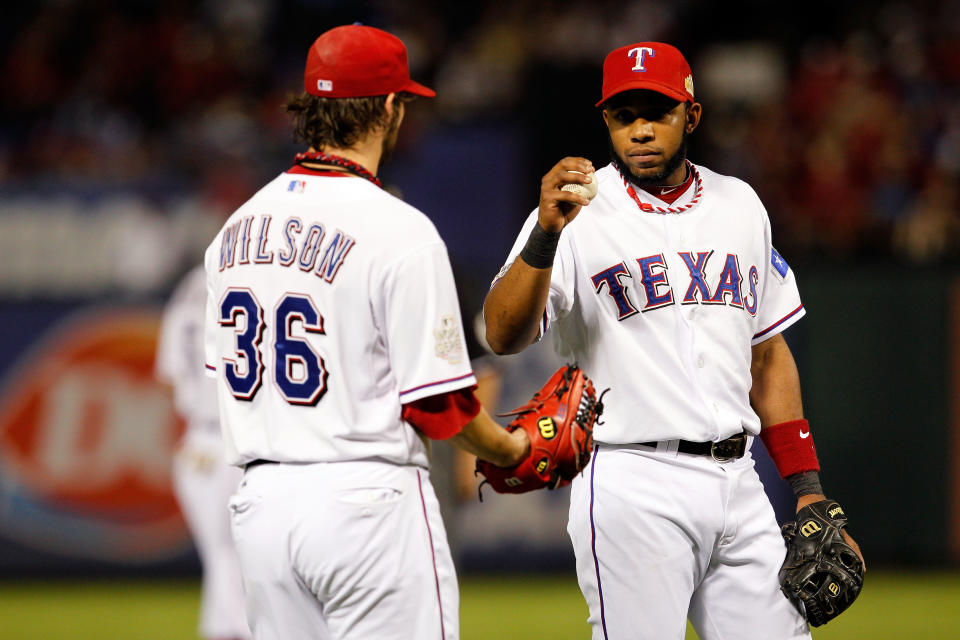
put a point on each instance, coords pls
(790, 445)
(541, 247)
(805, 484)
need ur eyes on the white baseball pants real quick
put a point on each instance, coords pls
(203, 484)
(661, 536)
(345, 551)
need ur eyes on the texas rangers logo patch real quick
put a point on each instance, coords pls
(448, 342)
(778, 263)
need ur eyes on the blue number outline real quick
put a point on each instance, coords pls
(284, 360)
(246, 344)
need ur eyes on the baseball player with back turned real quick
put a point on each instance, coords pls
(666, 286)
(334, 334)
(202, 480)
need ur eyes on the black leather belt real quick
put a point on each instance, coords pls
(732, 448)
(256, 463)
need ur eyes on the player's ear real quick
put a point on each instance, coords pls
(391, 106)
(694, 110)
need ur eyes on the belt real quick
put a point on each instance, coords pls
(732, 448)
(256, 463)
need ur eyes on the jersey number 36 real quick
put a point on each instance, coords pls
(298, 370)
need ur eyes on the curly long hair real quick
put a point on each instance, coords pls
(338, 122)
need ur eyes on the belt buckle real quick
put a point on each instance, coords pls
(729, 449)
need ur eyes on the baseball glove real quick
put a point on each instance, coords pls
(559, 420)
(822, 575)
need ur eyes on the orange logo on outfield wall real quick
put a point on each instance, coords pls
(86, 440)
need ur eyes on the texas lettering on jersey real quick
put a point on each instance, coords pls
(309, 249)
(657, 291)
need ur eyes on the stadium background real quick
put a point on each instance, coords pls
(129, 130)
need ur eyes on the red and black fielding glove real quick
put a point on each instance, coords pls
(559, 420)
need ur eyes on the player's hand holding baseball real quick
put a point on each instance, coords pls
(559, 207)
(517, 300)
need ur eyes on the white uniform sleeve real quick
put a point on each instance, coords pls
(422, 325)
(780, 304)
(560, 298)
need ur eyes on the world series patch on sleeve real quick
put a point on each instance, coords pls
(559, 420)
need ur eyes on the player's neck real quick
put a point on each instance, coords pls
(671, 191)
(366, 153)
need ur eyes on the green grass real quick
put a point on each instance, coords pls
(522, 608)
(918, 606)
(99, 610)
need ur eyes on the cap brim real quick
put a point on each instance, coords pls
(681, 96)
(419, 90)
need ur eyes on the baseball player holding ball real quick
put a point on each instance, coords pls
(334, 334)
(666, 287)
(202, 480)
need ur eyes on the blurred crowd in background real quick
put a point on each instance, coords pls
(845, 117)
(129, 129)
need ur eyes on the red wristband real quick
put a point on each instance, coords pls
(790, 445)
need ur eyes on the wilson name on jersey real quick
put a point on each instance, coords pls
(330, 304)
(307, 247)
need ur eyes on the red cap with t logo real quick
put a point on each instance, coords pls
(647, 65)
(357, 61)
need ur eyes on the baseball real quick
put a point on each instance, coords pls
(588, 191)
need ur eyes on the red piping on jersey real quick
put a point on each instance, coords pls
(209, 366)
(433, 554)
(438, 382)
(779, 322)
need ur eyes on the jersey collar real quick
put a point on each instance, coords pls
(646, 207)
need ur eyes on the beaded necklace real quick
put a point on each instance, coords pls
(649, 208)
(319, 157)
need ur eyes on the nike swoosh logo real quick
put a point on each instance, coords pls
(666, 191)
(804, 435)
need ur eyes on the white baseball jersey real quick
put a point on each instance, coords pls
(330, 304)
(663, 307)
(180, 356)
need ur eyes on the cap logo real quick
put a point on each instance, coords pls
(688, 84)
(639, 53)
(324, 85)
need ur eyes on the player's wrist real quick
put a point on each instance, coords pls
(790, 445)
(805, 484)
(520, 442)
(541, 247)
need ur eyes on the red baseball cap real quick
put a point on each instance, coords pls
(357, 61)
(647, 65)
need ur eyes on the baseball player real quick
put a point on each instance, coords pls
(666, 286)
(202, 480)
(334, 334)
